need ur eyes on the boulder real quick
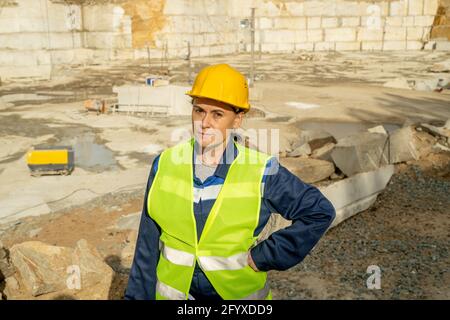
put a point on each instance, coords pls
(302, 151)
(407, 144)
(308, 170)
(42, 267)
(360, 153)
(324, 153)
(96, 275)
(46, 271)
(315, 139)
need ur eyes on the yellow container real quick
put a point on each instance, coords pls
(48, 157)
(50, 160)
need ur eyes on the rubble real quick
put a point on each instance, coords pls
(308, 170)
(360, 153)
(407, 144)
(324, 152)
(315, 138)
(303, 150)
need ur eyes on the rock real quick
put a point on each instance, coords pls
(307, 136)
(408, 144)
(41, 266)
(96, 275)
(360, 153)
(324, 153)
(440, 131)
(129, 222)
(441, 67)
(336, 176)
(398, 83)
(431, 84)
(320, 142)
(60, 271)
(378, 129)
(441, 147)
(308, 170)
(11, 287)
(303, 150)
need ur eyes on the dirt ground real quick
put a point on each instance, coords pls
(405, 233)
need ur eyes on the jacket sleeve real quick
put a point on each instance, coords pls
(142, 278)
(311, 215)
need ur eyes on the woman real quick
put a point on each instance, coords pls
(207, 201)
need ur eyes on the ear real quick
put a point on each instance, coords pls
(238, 120)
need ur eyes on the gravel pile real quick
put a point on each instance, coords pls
(405, 233)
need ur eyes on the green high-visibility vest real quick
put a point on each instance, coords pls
(227, 236)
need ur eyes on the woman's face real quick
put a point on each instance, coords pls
(212, 121)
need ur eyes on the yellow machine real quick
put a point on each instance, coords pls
(50, 160)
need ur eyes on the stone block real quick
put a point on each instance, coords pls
(415, 33)
(360, 153)
(351, 22)
(366, 34)
(423, 21)
(330, 22)
(340, 34)
(324, 46)
(308, 170)
(314, 22)
(394, 45)
(408, 144)
(395, 33)
(315, 35)
(348, 46)
(372, 45)
(415, 7)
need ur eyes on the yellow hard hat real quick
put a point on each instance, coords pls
(222, 83)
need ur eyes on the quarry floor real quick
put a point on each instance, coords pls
(341, 93)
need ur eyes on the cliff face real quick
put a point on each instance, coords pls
(441, 24)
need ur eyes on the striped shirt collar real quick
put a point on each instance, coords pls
(228, 156)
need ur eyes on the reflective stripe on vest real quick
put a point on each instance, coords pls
(207, 263)
(174, 294)
(177, 256)
(169, 292)
(235, 262)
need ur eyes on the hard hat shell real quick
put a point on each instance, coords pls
(223, 83)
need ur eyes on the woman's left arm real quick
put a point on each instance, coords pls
(308, 209)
